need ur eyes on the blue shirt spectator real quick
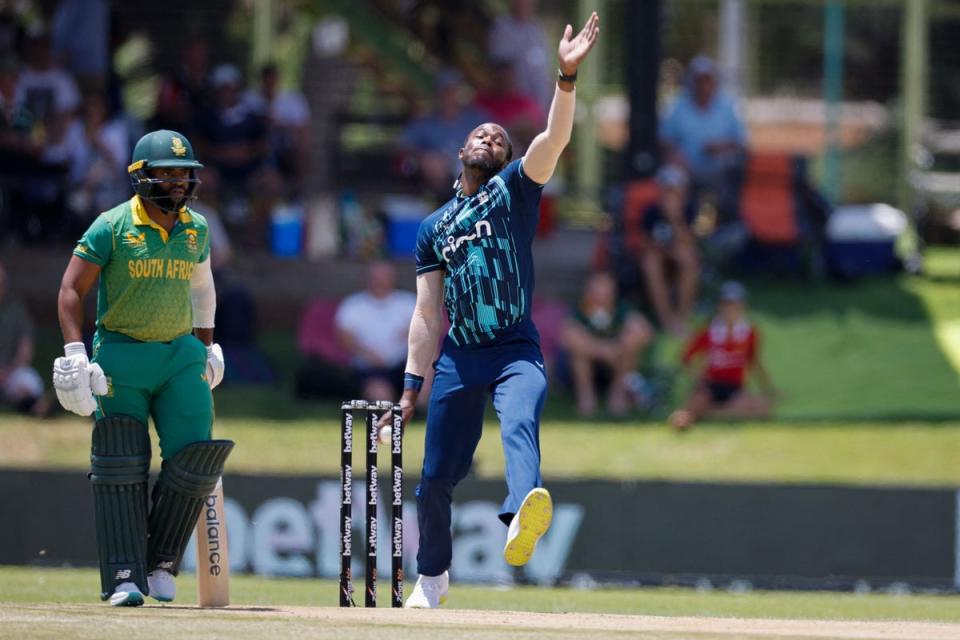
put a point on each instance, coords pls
(702, 128)
(432, 141)
(444, 129)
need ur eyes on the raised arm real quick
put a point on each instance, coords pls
(541, 158)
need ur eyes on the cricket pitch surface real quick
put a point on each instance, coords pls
(278, 622)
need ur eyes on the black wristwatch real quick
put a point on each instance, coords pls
(562, 76)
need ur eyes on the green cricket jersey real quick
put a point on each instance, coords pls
(145, 273)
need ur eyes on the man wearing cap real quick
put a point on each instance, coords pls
(703, 133)
(729, 346)
(153, 356)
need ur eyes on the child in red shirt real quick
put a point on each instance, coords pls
(729, 347)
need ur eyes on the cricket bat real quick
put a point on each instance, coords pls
(213, 563)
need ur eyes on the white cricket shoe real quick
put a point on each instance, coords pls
(126, 594)
(429, 593)
(528, 526)
(162, 586)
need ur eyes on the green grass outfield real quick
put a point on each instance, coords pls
(902, 453)
(869, 373)
(57, 603)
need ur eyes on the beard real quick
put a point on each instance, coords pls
(169, 203)
(484, 163)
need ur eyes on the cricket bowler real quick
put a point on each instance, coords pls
(474, 259)
(153, 356)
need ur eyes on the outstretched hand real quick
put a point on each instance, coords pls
(573, 50)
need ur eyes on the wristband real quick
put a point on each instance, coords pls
(412, 381)
(562, 76)
(74, 349)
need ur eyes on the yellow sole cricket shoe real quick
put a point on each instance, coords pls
(527, 527)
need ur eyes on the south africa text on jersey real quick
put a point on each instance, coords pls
(169, 268)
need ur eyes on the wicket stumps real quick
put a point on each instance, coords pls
(372, 412)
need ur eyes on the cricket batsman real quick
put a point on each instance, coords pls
(474, 259)
(153, 355)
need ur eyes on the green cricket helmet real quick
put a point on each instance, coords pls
(163, 149)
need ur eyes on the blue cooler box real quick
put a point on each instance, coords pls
(861, 239)
(402, 236)
(404, 215)
(857, 259)
(286, 232)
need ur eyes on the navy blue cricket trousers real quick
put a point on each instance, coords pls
(512, 372)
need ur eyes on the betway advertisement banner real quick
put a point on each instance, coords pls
(642, 533)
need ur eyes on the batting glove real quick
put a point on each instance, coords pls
(215, 365)
(76, 380)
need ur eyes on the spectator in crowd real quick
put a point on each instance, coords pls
(730, 348)
(100, 149)
(431, 142)
(12, 28)
(80, 31)
(18, 149)
(221, 248)
(16, 122)
(603, 339)
(703, 133)
(44, 189)
(669, 258)
(519, 37)
(20, 385)
(372, 326)
(288, 122)
(184, 95)
(44, 88)
(233, 135)
(510, 107)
